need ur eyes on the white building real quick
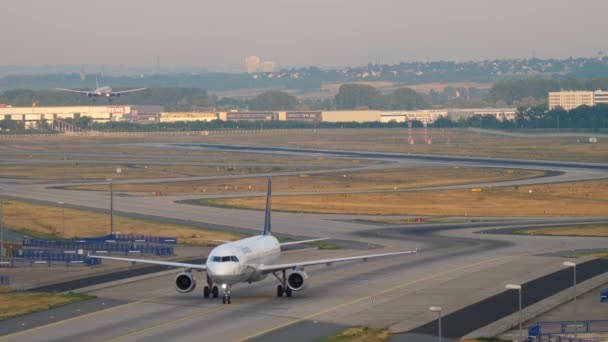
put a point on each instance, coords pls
(252, 63)
(570, 99)
(424, 116)
(600, 97)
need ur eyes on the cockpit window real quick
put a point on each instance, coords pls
(230, 258)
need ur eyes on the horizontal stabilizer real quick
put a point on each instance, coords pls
(302, 241)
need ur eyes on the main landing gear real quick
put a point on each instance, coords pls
(211, 291)
(283, 288)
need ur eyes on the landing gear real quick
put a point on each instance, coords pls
(283, 288)
(280, 291)
(226, 298)
(206, 291)
(215, 292)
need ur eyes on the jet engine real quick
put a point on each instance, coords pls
(185, 282)
(297, 280)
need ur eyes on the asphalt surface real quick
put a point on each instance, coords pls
(392, 292)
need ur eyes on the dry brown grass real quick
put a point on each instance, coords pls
(391, 179)
(14, 304)
(57, 222)
(561, 199)
(359, 334)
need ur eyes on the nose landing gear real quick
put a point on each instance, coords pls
(226, 298)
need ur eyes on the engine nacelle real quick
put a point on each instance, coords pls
(297, 280)
(185, 282)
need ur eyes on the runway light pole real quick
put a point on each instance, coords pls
(573, 265)
(518, 288)
(437, 309)
(111, 207)
(62, 218)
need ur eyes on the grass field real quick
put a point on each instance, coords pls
(562, 199)
(359, 334)
(391, 179)
(129, 171)
(445, 141)
(13, 304)
(580, 230)
(44, 221)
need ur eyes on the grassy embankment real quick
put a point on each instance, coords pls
(53, 222)
(13, 304)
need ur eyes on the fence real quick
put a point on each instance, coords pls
(554, 331)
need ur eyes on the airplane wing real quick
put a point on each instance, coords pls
(128, 91)
(75, 91)
(280, 267)
(302, 241)
(154, 262)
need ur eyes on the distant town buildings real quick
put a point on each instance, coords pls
(252, 63)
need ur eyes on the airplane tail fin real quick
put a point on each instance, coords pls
(267, 226)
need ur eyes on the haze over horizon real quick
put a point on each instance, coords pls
(323, 33)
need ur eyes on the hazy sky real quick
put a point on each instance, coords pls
(296, 33)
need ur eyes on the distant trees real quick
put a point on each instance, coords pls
(360, 96)
(406, 98)
(273, 100)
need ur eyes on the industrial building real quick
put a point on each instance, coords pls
(31, 116)
(424, 116)
(187, 117)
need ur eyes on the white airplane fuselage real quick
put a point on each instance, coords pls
(238, 261)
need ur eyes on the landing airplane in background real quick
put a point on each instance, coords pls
(249, 260)
(103, 91)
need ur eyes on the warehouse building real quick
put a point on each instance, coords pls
(31, 116)
(424, 116)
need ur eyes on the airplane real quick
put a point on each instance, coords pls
(103, 91)
(249, 260)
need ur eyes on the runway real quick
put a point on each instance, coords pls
(392, 292)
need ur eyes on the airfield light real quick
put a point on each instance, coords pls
(111, 206)
(518, 288)
(573, 265)
(437, 309)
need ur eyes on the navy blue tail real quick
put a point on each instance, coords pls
(267, 226)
